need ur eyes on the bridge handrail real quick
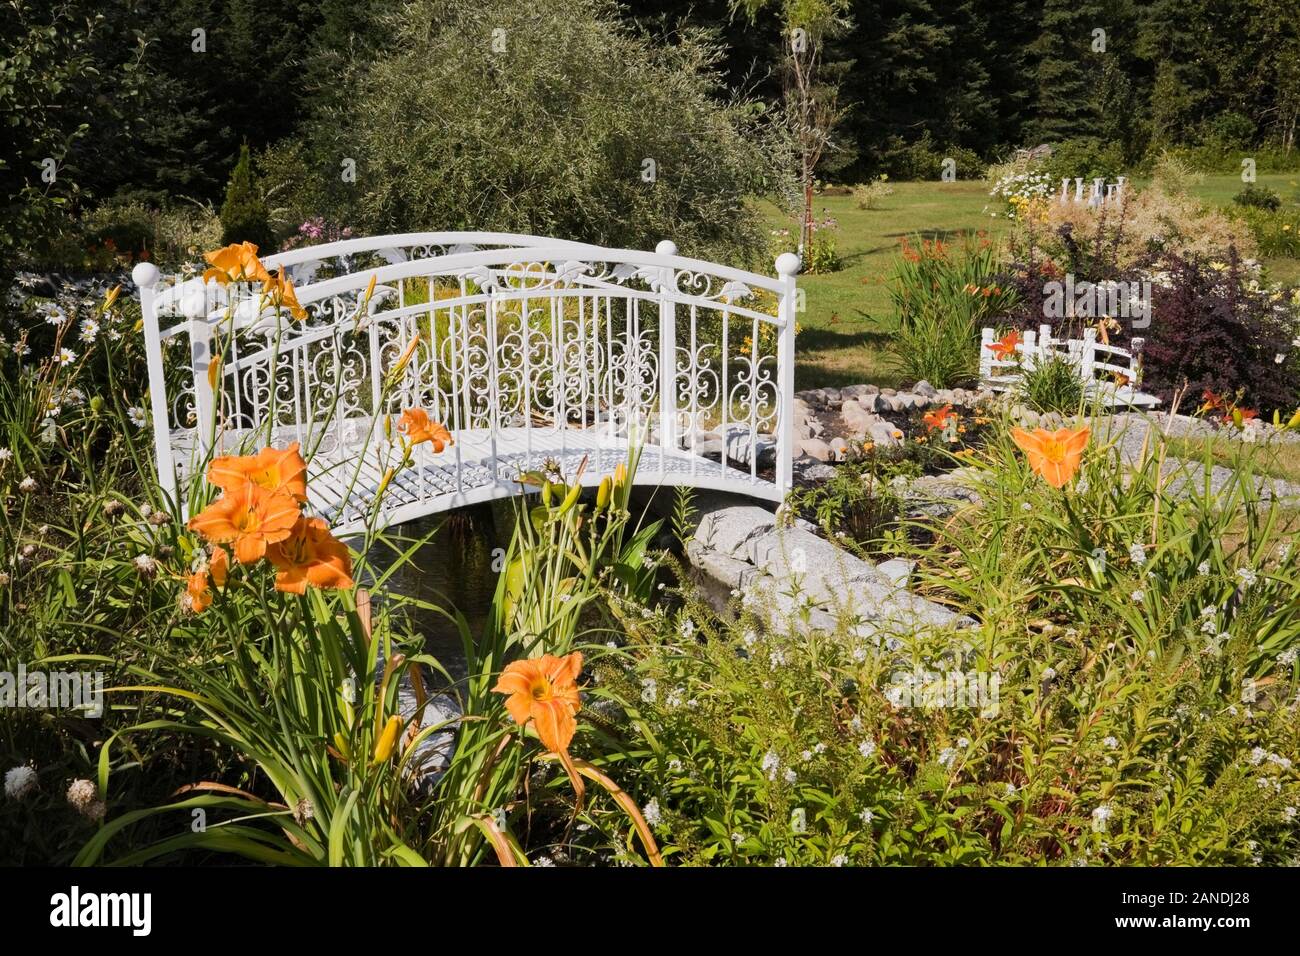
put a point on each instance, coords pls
(686, 388)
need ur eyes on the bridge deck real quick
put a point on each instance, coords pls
(342, 484)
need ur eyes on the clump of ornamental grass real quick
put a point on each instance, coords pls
(1052, 386)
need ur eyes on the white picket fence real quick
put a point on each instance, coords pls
(1111, 375)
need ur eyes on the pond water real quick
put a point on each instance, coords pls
(452, 569)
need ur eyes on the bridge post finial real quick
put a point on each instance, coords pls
(788, 264)
(145, 275)
(666, 247)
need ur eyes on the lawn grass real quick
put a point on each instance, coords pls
(848, 320)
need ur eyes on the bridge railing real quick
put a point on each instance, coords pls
(527, 353)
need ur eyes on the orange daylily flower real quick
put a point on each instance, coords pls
(938, 418)
(278, 470)
(418, 427)
(250, 517)
(219, 567)
(281, 292)
(545, 691)
(199, 584)
(200, 594)
(236, 262)
(311, 555)
(1006, 346)
(1055, 456)
(1211, 401)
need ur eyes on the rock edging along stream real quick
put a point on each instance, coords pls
(794, 579)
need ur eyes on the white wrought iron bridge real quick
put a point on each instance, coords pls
(530, 350)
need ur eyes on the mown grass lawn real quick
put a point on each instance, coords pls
(848, 319)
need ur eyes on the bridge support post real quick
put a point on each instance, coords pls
(787, 267)
(146, 276)
(667, 358)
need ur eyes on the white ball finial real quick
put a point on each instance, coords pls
(787, 264)
(145, 275)
(666, 248)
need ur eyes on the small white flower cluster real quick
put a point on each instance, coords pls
(771, 764)
(19, 782)
(84, 797)
(1023, 186)
(653, 815)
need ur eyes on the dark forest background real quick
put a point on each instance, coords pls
(115, 92)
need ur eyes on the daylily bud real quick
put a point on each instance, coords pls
(603, 493)
(405, 360)
(571, 498)
(388, 739)
(341, 745)
(383, 485)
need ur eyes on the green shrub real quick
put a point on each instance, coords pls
(869, 195)
(823, 255)
(572, 125)
(1258, 197)
(130, 230)
(1217, 158)
(1085, 156)
(244, 216)
(858, 502)
(921, 160)
(1052, 386)
(1277, 234)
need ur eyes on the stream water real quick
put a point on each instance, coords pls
(454, 570)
